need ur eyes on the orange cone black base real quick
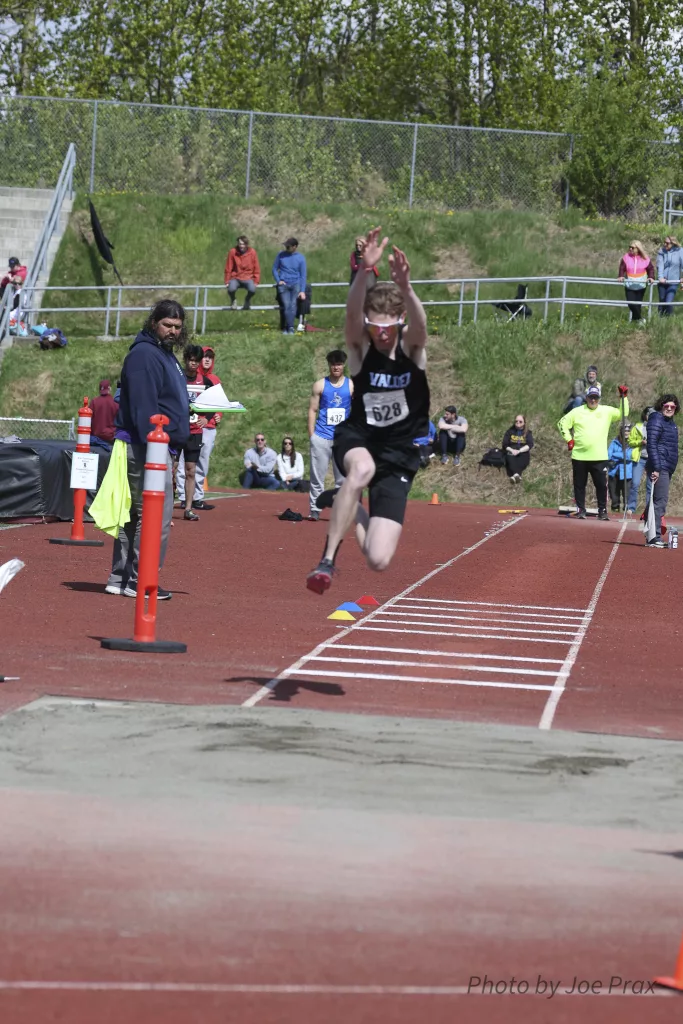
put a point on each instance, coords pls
(148, 646)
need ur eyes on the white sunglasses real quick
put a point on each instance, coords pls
(382, 327)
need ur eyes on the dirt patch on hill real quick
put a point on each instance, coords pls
(28, 397)
(265, 227)
(456, 262)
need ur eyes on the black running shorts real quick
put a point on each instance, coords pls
(396, 466)
(193, 447)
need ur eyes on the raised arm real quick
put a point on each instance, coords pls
(415, 334)
(355, 317)
(314, 405)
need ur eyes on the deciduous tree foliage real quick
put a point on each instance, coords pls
(605, 70)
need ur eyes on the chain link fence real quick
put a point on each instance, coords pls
(134, 147)
(44, 430)
(148, 148)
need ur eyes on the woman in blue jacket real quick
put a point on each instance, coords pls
(669, 274)
(662, 456)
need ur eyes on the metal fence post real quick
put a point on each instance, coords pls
(476, 300)
(569, 160)
(251, 132)
(412, 168)
(564, 295)
(462, 295)
(206, 299)
(118, 313)
(547, 296)
(196, 309)
(94, 149)
(108, 313)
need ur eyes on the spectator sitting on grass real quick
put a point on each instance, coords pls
(452, 430)
(242, 270)
(290, 465)
(259, 463)
(425, 445)
(289, 274)
(517, 445)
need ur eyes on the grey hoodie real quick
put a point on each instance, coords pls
(670, 263)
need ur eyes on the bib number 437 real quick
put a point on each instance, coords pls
(383, 410)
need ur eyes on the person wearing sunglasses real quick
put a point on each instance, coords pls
(390, 406)
(517, 444)
(662, 457)
(585, 430)
(636, 271)
(669, 274)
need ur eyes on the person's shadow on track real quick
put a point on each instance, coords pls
(289, 688)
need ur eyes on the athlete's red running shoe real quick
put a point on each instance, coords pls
(320, 578)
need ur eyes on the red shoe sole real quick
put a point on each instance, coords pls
(318, 582)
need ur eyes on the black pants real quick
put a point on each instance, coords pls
(451, 445)
(633, 296)
(516, 463)
(617, 493)
(598, 474)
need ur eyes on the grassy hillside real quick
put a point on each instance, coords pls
(490, 370)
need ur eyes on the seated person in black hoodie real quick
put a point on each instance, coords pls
(152, 381)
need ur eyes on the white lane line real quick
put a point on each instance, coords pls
(423, 664)
(486, 612)
(406, 616)
(483, 625)
(447, 654)
(325, 674)
(495, 604)
(250, 702)
(467, 636)
(572, 654)
(220, 988)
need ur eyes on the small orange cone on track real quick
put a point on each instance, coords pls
(435, 499)
(677, 980)
(368, 601)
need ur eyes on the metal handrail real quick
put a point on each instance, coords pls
(199, 304)
(63, 189)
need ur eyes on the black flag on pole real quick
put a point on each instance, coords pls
(104, 246)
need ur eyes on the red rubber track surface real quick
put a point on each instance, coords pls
(106, 890)
(241, 606)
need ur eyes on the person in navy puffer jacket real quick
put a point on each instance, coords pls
(152, 381)
(662, 455)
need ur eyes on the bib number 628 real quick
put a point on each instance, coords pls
(384, 410)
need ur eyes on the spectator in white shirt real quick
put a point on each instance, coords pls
(290, 465)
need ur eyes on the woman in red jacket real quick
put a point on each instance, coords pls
(242, 270)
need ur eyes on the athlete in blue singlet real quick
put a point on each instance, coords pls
(329, 406)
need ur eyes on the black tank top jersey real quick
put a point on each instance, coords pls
(390, 398)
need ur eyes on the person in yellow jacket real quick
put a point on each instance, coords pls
(586, 430)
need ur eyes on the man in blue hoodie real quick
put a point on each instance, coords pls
(152, 381)
(289, 274)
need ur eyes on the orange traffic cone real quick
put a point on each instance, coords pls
(435, 499)
(205, 485)
(677, 980)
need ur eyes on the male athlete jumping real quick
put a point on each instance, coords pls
(390, 407)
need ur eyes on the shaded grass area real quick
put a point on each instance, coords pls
(489, 369)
